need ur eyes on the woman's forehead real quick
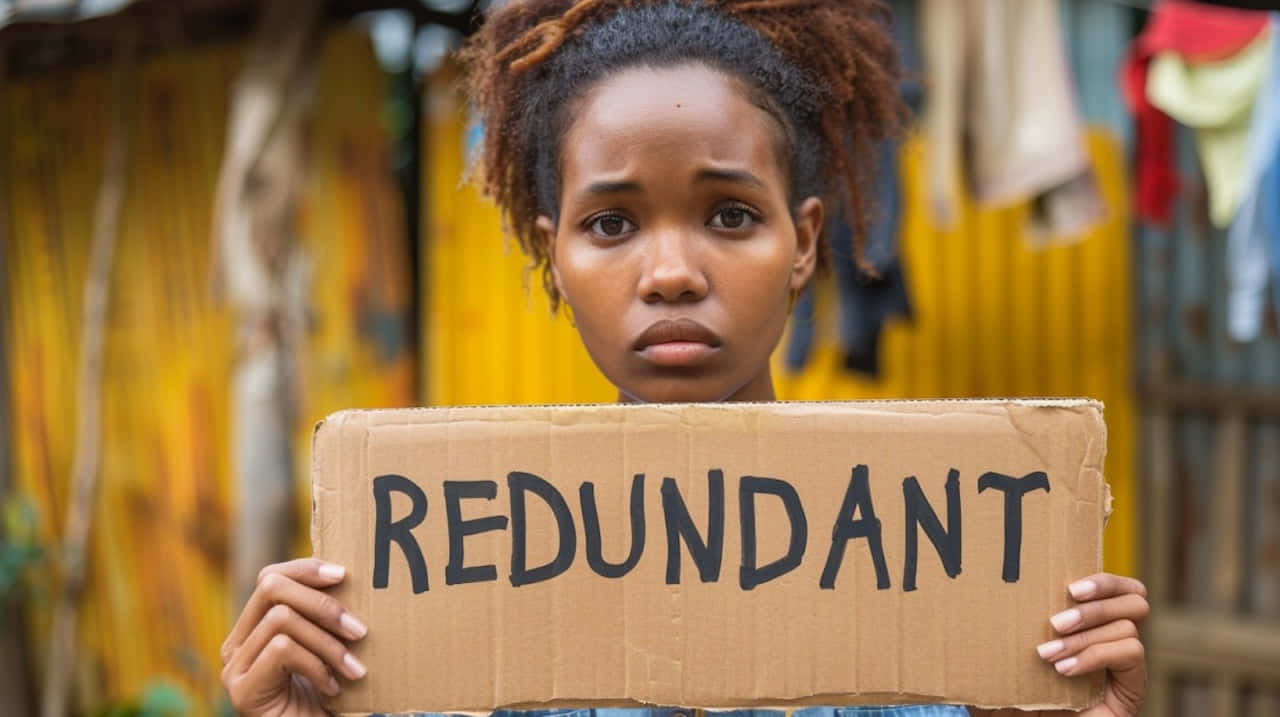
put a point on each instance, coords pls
(665, 117)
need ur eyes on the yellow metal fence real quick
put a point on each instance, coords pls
(157, 605)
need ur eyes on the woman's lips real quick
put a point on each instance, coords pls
(677, 343)
(676, 354)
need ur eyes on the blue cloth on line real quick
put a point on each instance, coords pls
(858, 711)
(865, 302)
(1255, 231)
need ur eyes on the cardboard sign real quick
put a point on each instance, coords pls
(711, 555)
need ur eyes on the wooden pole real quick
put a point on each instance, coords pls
(1157, 425)
(260, 271)
(1264, 597)
(1228, 542)
(60, 665)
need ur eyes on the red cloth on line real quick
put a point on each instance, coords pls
(1200, 33)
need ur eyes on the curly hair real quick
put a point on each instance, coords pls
(826, 70)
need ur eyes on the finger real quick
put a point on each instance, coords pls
(1098, 612)
(275, 588)
(1124, 658)
(1056, 650)
(308, 571)
(270, 672)
(283, 620)
(1104, 585)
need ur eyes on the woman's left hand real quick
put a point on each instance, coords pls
(1100, 633)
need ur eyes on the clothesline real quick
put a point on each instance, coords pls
(1145, 5)
(1135, 4)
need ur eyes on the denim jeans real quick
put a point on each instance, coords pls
(863, 711)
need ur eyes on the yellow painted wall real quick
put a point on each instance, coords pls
(993, 316)
(157, 605)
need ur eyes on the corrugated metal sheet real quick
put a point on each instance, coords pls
(993, 315)
(157, 605)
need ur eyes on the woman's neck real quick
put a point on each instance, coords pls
(757, 389)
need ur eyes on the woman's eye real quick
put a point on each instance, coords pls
(732, 218)
(611, 225)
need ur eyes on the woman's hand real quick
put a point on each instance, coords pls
(1099, 633)
(287, 648)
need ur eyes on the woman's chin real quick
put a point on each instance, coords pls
(675, 391)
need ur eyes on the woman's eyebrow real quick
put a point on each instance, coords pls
(607, 187)
(738, 176)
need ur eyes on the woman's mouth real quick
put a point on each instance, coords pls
(677, 343)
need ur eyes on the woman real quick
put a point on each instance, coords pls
(669, 166)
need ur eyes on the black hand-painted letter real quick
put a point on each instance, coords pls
(706, 555)
(857, 499)
(749, 575)
(920, 513)
(456, 572)
(591, 527)
(385, 531)
(520, 484)
(1013, 489)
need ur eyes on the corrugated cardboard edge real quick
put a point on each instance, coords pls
(319, 492)
(1098, 467)
(1030, 401)
(322, 494)
(1094, 462)
(864, 699)
(325, 495)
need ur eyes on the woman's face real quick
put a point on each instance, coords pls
(676, 248)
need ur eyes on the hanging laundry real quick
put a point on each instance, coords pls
(905, 29)
(1002, 104)
(865, 302)
(1255, 232)
(1269, 217)
(866, 306)
(1098, 34)
(1198, 33)
(1216, 99)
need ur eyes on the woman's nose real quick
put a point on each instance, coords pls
(673, 272)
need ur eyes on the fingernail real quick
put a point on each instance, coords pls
(1082, 589)
(1065, 620)
(354, 666)
(332, 688)
(1050, 648)
(353, 627)
(330, 571)
(1065, 666)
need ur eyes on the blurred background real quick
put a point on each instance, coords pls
(221, 220)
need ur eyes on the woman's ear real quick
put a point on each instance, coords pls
(809, 222)
(547, 235)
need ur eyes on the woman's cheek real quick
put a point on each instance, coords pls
(597, 291)
(761, 277)
(583, 269)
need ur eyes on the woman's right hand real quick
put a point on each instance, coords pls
(289, 644)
